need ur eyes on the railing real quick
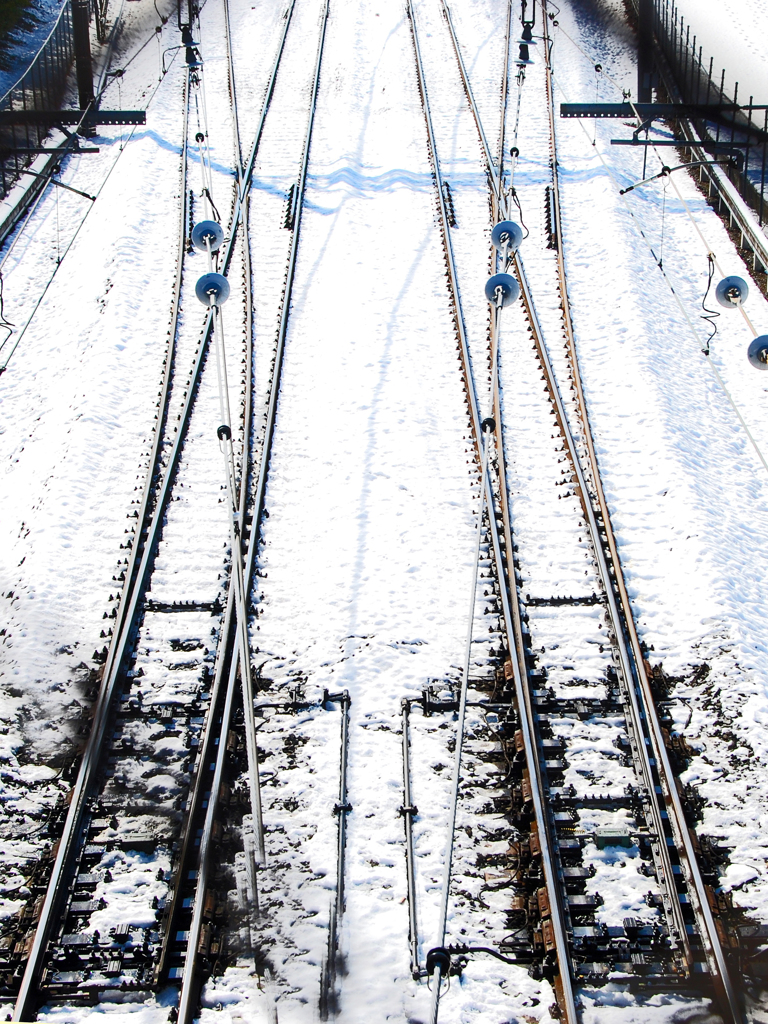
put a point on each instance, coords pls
(41, 87)
(743, 131)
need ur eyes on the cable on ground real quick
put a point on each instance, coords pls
(709, 315)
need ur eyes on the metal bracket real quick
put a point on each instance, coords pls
(642, 127)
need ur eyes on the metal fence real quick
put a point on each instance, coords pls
(742, 131)
(41, 87)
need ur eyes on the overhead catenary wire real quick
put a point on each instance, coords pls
(254, 857)
(514, 151)
(487, 425)
(241, 604)
(235, 525)
(511, 607)
(710, 315)
(68, 147)
(484, 453)
(233, 97)
(238, 588)
(569, 1007)
(197, 74)
(103, 82)
(437, 964)
(513, 614)
(510, 602)
(626, 95)
(188, 995)
(663, 224)
(665, 170)
(5, 324)
(505, 90)
(667, 173)
(58, 240)
(240, 644)
(707, 247)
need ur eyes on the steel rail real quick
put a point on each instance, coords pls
(202, 778)
(628, 663)
(513, 618)
(508, 587)
(224, 663)
(233, 95)
(155, 457)
(499, 210)
(638, 716)
(189, 987)
(245, 480)
(239, 506)
(447, 245)
(258, 499)
(562, 984)
(189, 983)
(230, 650)
(437, 971)
(493, 169)
(288, 289)
(504, 85)
(125, 625)
(514, 611)
(660, 848)
(707, 926)
(101, 711)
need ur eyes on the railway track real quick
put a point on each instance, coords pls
(194, 895)
(677, 943)
(78, 940)
(308, 946)
(593, 819)
(48, 906)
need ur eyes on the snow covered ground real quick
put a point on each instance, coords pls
(732, 31)
(73, 427)
(372, 496)
(687, 491)
(19, 45)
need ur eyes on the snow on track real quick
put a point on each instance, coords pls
(183, 576)
(366, 548)
(77, 404)
(372, 492)
(378, 608)
(688, 496)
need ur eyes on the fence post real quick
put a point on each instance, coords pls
(644, 51)
(694, 80)
(81, 26)
(762, 173)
